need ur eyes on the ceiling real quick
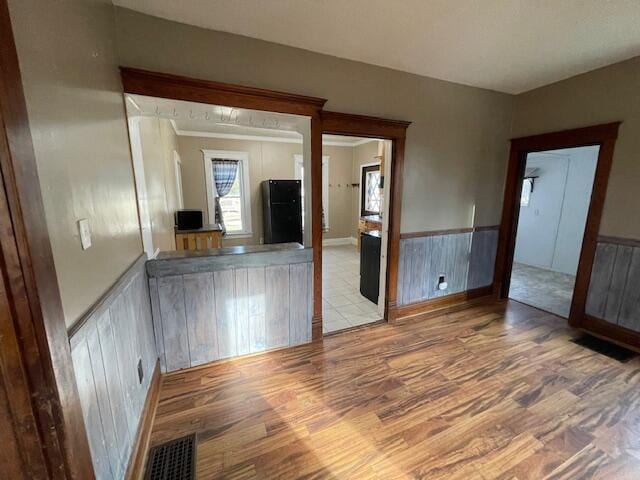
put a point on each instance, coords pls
(510, 46)
(215, 121)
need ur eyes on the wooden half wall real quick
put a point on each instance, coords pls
(465, 257)
(110, 346)
(211, 308)
(614, 289)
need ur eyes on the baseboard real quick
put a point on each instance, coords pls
(328, 242)
(442, 305)
(138, 459)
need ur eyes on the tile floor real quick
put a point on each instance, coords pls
(544, 289)
(342, 304)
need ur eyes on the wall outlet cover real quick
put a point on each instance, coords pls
(85, 233)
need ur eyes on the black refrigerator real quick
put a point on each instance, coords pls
(282, 211)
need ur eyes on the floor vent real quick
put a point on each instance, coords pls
(603, 347)
(174, 460)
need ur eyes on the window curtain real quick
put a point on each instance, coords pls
(224, 174)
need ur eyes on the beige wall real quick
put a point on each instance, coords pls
(159, 142)
(76, 113)
(267, 160)
(341, 221)
(456, 148)
(605, 95)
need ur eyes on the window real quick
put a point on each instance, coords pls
(299, 175)
(236, 204)
(371, 199)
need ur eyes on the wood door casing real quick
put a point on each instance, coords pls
(603, 135)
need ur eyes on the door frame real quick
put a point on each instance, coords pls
(163, 85)
(176, 87)
(43, 429)
(604, 136)
(396, 131)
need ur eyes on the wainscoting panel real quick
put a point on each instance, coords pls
(482, 258)
(465, 258)
(106, 348)
(201, 317)
(614, 290)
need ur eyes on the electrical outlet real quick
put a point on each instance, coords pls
(140, 371)
(442, 283)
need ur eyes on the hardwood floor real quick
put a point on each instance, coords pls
(496, 391)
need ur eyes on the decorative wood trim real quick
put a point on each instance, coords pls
(176, 87)
(34, 350)
(608, 331)
(396, 131)
(451, 231)
(363, 126)
(602, 135)
(316, 223)
(629, 242)
(486, 228)
(138, 459)
(449, 303)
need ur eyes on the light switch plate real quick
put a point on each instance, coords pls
(85, 233)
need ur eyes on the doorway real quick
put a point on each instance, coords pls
(554, 203)
(353, 228)
(602, 136)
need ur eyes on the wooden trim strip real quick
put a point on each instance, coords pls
(138, 459)
(438, 306)
(176, 87)
(486, 228)
(451, 231)
(361, 125)
(577, 137)
(629, 242)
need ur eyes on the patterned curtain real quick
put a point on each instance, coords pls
(224, 174)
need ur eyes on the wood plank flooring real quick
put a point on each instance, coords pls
(493, 392)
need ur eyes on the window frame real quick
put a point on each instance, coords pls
(245, 192)
(363, 192)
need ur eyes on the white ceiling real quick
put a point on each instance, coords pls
(505, 45)
(203, 120)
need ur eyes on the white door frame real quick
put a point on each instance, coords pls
(388, 160)
(177, 171)
(141, 187)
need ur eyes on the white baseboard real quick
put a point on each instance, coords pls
(327, 242)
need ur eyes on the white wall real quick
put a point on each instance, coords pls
(551, 228)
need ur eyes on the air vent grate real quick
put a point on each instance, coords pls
(174, 460)
(603, 347)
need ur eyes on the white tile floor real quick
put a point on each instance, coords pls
(342, 304)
